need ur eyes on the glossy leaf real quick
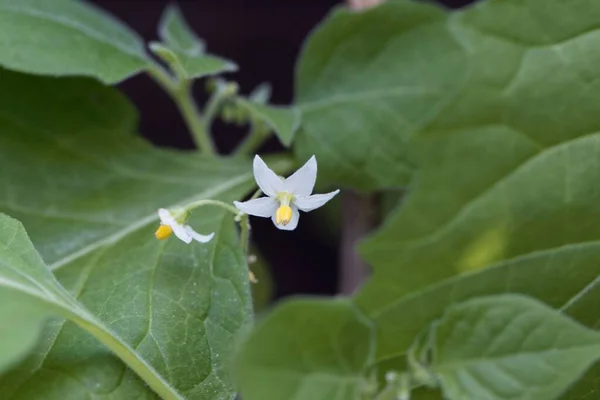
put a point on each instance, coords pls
(88, 196)
(307, 349)
(67, 37)
(508, 347)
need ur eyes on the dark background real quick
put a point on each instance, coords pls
(264, 38)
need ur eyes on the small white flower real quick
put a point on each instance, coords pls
(174, 223)
(285, 196)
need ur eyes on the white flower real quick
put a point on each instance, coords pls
(174, 223)
(285, 196)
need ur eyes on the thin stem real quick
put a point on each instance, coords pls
(252, 142)
(245, 233)
(212, 107)
(209, 202)
(128, 356)
(180, 92)
(256, 194)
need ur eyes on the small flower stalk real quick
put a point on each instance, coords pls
(174, 222)
(285, 198)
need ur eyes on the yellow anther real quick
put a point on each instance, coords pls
(163, 232)
(283, 215)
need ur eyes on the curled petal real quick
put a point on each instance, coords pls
(302, 182)
(165, 217)
(197, 236)
(267, 180)
(182, 233)
(263, 207)
(293, 222)
(309, 203)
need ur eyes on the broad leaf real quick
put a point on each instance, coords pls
(509, 168)
(87, 191)
(67, 37)
(367, 82)
(27, 292)
(509, 347)
(30, 294)
(307, 349)
(284, 121)
(183, 50)
(555, 277)
(584, 308)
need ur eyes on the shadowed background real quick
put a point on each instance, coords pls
(264, 37)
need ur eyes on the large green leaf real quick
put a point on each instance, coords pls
(584, 308)
(27, 292)
(509, 347)
(367, 82)
(67, 37)
(30, 294)
(509, 168)
(87, 191)
(307, 350)
(555, 277)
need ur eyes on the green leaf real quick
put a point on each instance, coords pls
(284, 121)
(556, 277)
(192, 67)
(261, 94)
(184, 51)
(307, 349)
(88, 197)
(367, 82)
(584, 308)
(30, 294)
(508, 169)
(174, 31)
(508, 347)
(23, 282)
(67, 37)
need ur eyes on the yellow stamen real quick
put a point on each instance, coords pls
(283, 215)
(163, 232)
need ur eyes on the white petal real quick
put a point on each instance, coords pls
(267, 180)
(293, 222)
(165, 217)
(302, 182)
(197, 236)
(181, 233)
(309, 203)
(262, 207)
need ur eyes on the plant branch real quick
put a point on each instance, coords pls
(252, 142)
(180, 91)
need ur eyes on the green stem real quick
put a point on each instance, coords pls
(180, 92)
(128, 356)
(245, 233)
(209, 202)
(252, 142)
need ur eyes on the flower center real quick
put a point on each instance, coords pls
(283, 215)
(163, 232)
